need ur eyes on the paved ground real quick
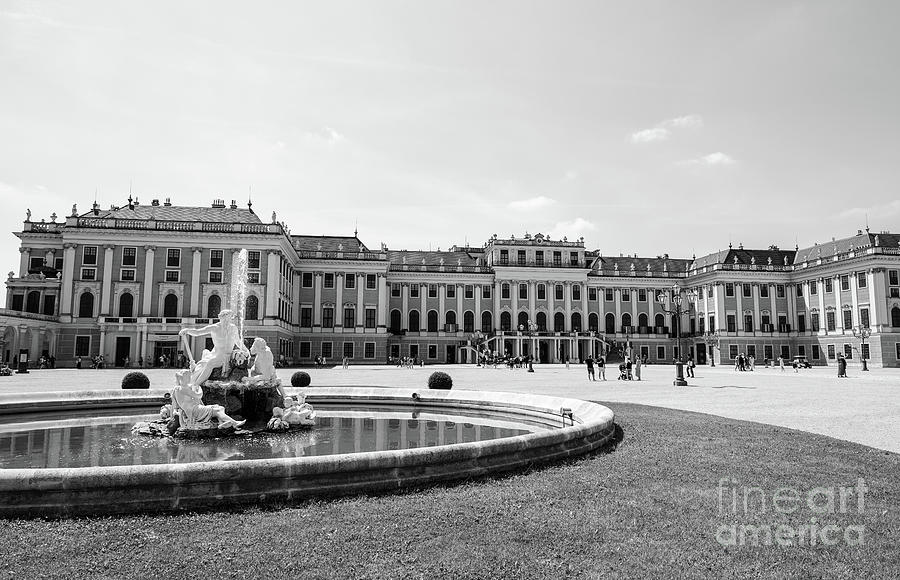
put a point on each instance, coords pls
(864, 408)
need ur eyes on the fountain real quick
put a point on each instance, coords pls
(229, 433)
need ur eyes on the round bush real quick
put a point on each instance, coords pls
(135, 380)
(439, 380)
(300, 379)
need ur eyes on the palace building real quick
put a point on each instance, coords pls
(123, 281)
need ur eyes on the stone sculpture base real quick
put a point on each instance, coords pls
(248, 400)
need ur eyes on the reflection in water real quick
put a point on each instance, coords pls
(105, 444)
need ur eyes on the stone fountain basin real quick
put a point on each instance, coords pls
(219, 484)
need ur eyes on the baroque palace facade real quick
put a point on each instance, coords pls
(122, 282)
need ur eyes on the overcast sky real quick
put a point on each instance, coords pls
(645, 127)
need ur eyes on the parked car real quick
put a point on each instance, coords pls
(802, 362)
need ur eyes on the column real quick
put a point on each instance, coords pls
(272, 272)
(149, 255)
(838, 312)
(295, 297)
(551, 304)
(567, 296)
(442, 305)
(601, 310)
(719, 295)
(877, 305)
(618, 297)
(24, 259)
(102, 348)
(739, 296)
(477, 290)
(757, 317)
(706, 310)
(634, 297)
(360, 300)
(105, 298)
(854, 299)
(195, 283)
(774, 306)
(423, 310)
(791, 294)
(404, 310)
(339, 300)
(584, 308)
(514, 296)
(532, 301)
(317, 300)
(497, 307)
(823, 319)
(459, 306)
(382, 301)
(68, 275)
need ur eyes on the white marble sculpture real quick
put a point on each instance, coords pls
(298, 412)
(187, 400)
(263, 368)
(225, 336)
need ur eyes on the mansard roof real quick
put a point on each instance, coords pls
(657, 264)
(177, 213)
(747, 257)
(844, 245)
(422, 258)
(329, 243)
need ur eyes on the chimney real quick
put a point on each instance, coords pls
(233, 204)
(154, 202)
(218, 203)
(96, 208)
(168, 202)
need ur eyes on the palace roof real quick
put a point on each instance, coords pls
(177, 213)
(658, 264)
(744, 257)
(329, 244)
(448, 259)
(844, 245)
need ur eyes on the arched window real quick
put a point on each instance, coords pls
(487, 321)
(126, 305)
(170, 306)
(414, 321)
(213, 306)
(86, 305)
(610, 323)
(522, 321)
(642, 320)
(660, 320)
(251, 309)
(395, 322)
(626, 320)
(33, 302)
(450, 317)
(895, 316)
(593, 322)
(469, 321)
(576, 321)
(505, 321)
(559, 322)
(541, 322)
(432, 321)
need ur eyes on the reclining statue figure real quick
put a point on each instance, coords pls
(225, 337)
(193, 414)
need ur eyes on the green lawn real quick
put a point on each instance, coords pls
(647, 509)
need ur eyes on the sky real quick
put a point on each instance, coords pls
(647, 127)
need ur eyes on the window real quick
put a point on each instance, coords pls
(785, 351)
(504, 257)
(348, 349)
(305, 349)
(305, 316)
(326, 349)
(57, 263)
(829, 285)
(89, 256)
(779, 291)
(350, 281)
(487, 322)
(576, 292)
(486, 291)
(213, 306)
(558, 292)
(847, 318)
(831, 354)
(801, 350)
(864, 317)
(608, 295)
(816, 352)
(86, 305)
(349, 317)
(170, 306)
(712, 322)
(557, 258)
(799, 290)
(328, 317)
(370, 318)
(539, 258)
(82, 346)
(414, 290)
(215, 277)
(35, 263)
(700, 293)
(541, 292)
(504, 291)
(626, 295)
(813, 287)
(730, 322)
(395, 290)
(801, 322)
(253, 277)
(661, 353)
(129, 256)
(469, 291)
(173, 275)
(845, 282)
(764, 291)
(369, 350)
(642, 295)
(829, 320)
(767, 351)
(469, 321)
(126, 274)
(432, 322)
(748, 290)
(748, 323)
(751, 350)
(306, 280)
(848, 351)
(216, 258)
(523, 291)
(253, 260)
(329, 280)
(173, 258)
(520, 257)
(371, 282)
(432, 351)
(251, 308)
(573, 258)
(592, 293)
(450, 290)
(88, 273)
(864, 350)
(814, 322)
(729, 289)
(894, 277)
(433, 291)
(861, 281)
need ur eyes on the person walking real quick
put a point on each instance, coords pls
(637, 368)
(690, 367)
(590, 367)
(78, 363)
(781, 363)
(842, 366)
(601, 367)
(345, 363)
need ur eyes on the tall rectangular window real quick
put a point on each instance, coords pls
(305, 316)
(660, 353)
(328, 317)
(350, 281)
(129, 256)
(329, 280)
(369, 350)
(763, 290)
(348, 349)
(831, 353)
(626, 295)
(173, 258)
(306, 279)
(576, 292)
(89, 257)
(82, 346)
(729, 289)
(732, 351)
(592, 293)
(253, 259)
(748, 290)
(829, 285)
(779, 291)
(558, 292)
(521, 257)
(893, 277)
(450, 290)
(829, 320)
(813, 287)
(848, 318)
(861, 280)
(216, 258)
(349, 317)
(573, 258)
(814, 322)
(371, 282)
(845, 282)
(539, 258)
(848, 351)
(469, 291)
(504, 291)
(523, 291)
(414, 290)
(731, 323)
(433, 291)
(504, 257)
(557, 258)
(864, 317)
(642, 295)
(305, 349)
(541, 292)
(395, 290)
(816, 352)
(370, 319)
(486, 291)
(609, 295)
(799, 290)
(326, 350)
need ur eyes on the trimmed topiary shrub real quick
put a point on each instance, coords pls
(300, 380)
(439, 380)
(135, 380)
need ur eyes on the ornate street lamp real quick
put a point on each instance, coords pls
(532, 329)
(862, 333)
(712, 343)
(671, 303)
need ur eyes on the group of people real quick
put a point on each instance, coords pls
(406, 362)
(601, 367)
(747, 363)
(47, 362)
(97, 362)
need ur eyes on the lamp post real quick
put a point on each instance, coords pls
(862, 333)
(671, 303)
(532, 329)
(712, 343)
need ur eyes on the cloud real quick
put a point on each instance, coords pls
(717, 158)
(686, 122)
(577, 227)
(882, 211)
(650, 135)
(532, 203)
(325, 136)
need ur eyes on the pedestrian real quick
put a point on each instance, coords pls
(140, 362)
(78, 362)
(567, 366)
(752, 360)
(601, 367)
(628, 366)
(781, 363)
(590, 367)
(346, 363)
(127, 362)
(842, 366)
(690, 367)
(637, 368)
